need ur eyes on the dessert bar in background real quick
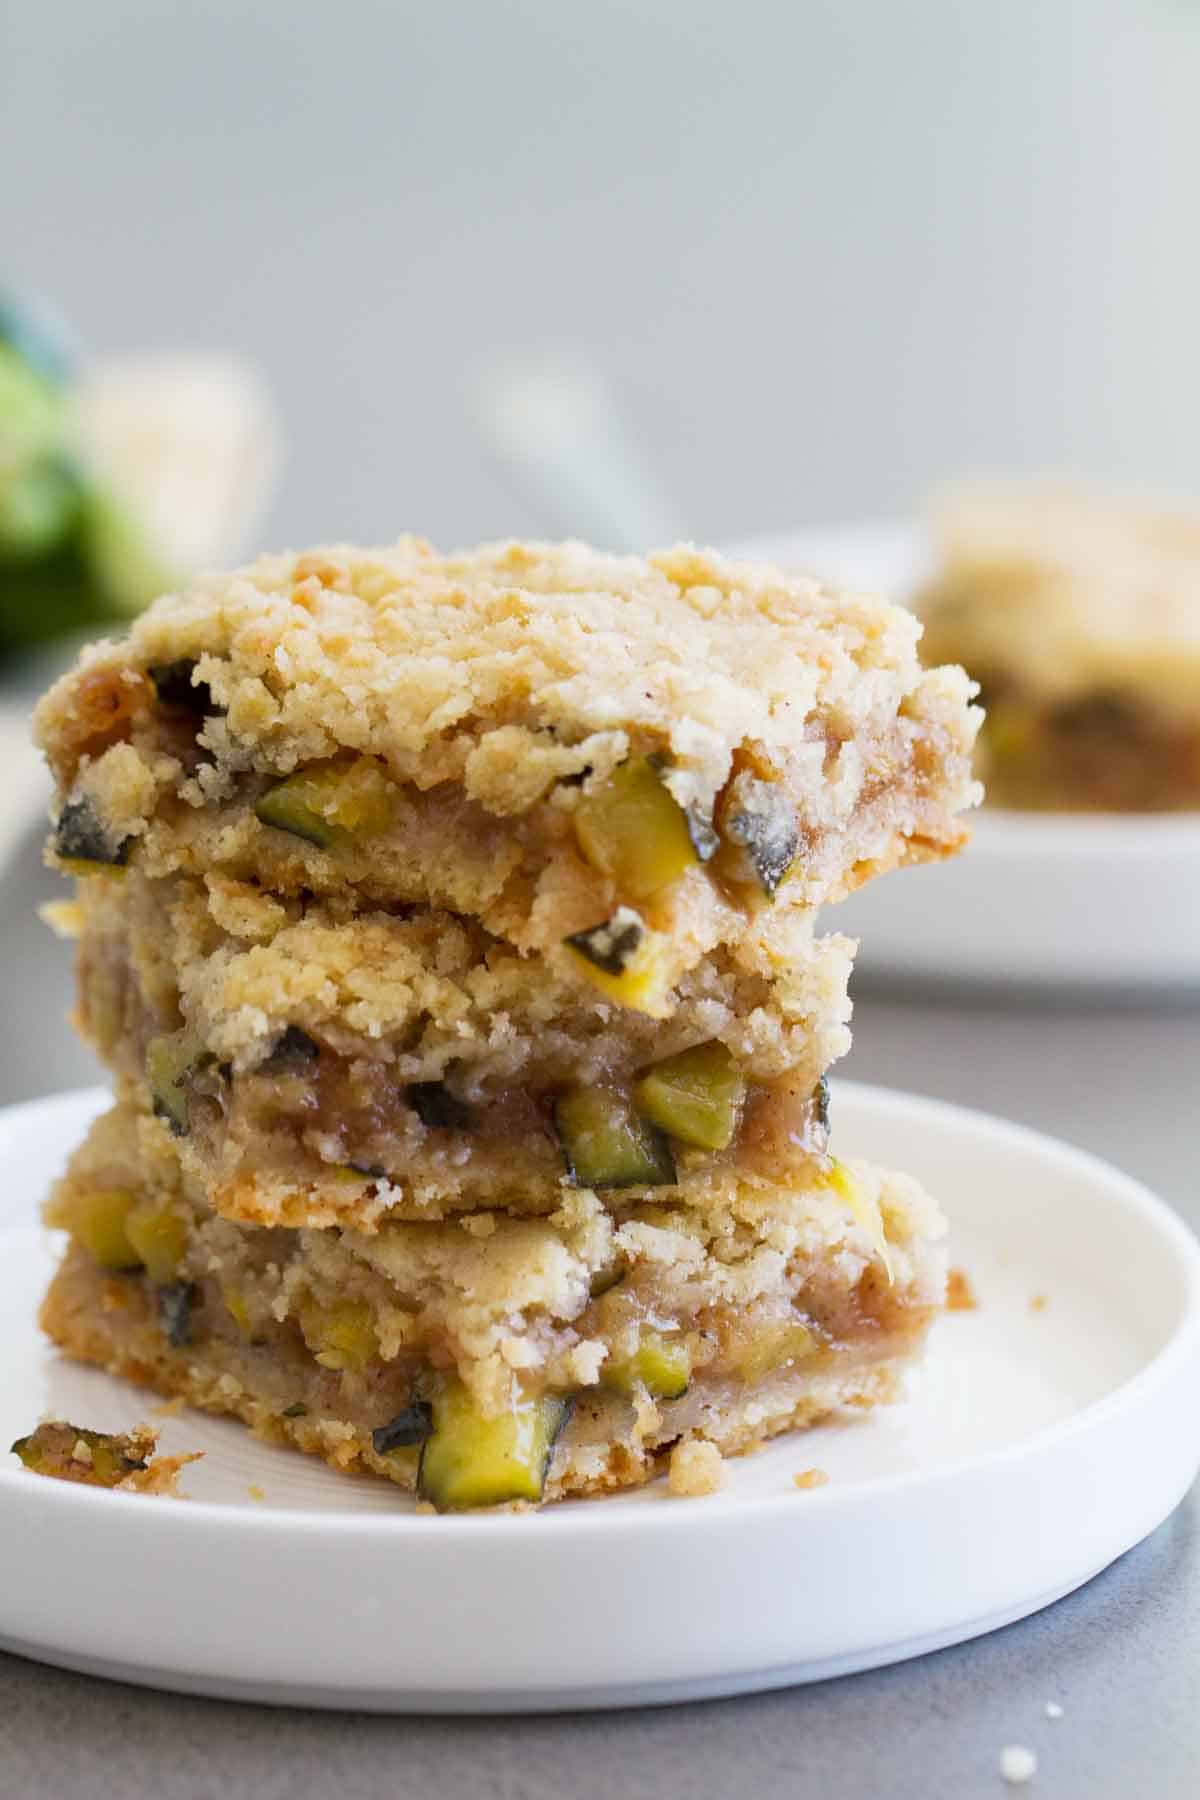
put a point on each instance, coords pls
(1079, 614)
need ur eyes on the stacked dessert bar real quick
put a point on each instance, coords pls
(447, 923)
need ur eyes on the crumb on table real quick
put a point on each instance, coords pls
(960, 1295)
(811, 1478)
(1018, 1764)
(696, 1468)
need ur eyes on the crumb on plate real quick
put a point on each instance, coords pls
(696, 1468)
(811, 1478)
(123, 1461)
(1039, 1303)
(960, 1294)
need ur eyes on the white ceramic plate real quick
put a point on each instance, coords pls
(1039, 1444)
(1103, 901)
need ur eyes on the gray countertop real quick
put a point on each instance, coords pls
(1122, 1656)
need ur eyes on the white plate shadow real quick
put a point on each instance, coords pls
(1040, 1443)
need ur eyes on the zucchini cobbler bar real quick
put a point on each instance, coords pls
(1079, 612)
(447, 924)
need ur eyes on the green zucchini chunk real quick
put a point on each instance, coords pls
(96, 1218)
(171, 1062)
(705, 840)
(330, 803)
(696, 1097)
(283, 807)
(473, 1460)
(605, 1280)
(81, 836)
(612, 946)
(631, 828)
(759, 821)
(662, 1365)
(175, 686)
(605, 1143)
(176, 1303)
(74, 1453)
(410, 1426)
(436, 1107)
(290, 1054)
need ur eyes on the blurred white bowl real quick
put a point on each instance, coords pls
(1103, 901)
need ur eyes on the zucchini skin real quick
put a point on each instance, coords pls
(471, 1460)
(81, 836)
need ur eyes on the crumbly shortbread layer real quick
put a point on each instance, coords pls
(462, 715)
(644, 1323)
(328, 1063)
(608, 1446)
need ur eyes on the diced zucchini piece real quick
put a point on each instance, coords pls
(705, 840)
(696, 1097)
(96, 1219)
(73, 1453)
(409, 1427)
(758, 825)
(297, 1410)
(821, 1102)
(774, 1347)
(341, 1336)
(634, 831)
(174, 686)
(605, 1280)
(160, 1238)
(473, 1460)
(606, 1145)
(290, 1054)
(436, 1107)
(863, 1208)
(176, 1301)
(82, 839)
(625, 960)
(171, 1061)
(330, 803)
(662, 1365)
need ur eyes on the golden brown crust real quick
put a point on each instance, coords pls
(100, 1321)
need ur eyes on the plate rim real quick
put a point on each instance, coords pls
(591, 1518)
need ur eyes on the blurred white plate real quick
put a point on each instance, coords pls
(1108, 901)
(1040, 1443)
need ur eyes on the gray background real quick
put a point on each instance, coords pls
(826, 252)
(826, 255)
